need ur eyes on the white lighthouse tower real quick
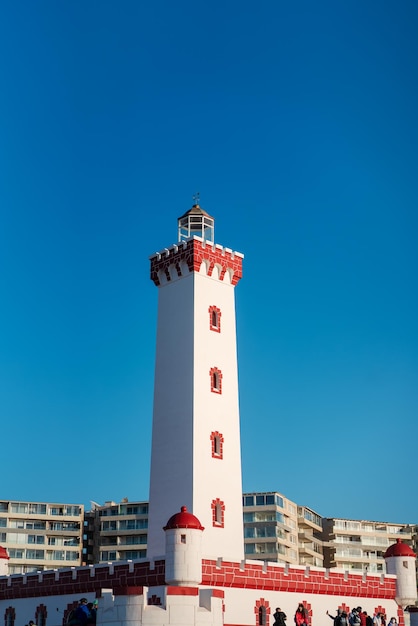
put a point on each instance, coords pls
(196, 457)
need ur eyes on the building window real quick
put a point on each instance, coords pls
(262, 616)
(133, 554)
(36, 539)
(15, 553)
(9, 616)
(41, 615)
(215, 380)
(215, 319)
(35, 554)
(218, 513)
(262, 612)
(109, 556)
(183, 538)
(217, 445)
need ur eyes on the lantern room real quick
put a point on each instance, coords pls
(196, 223)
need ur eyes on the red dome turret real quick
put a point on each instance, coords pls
(399, 549)
(184, 519)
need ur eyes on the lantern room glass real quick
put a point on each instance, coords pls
(191, 225)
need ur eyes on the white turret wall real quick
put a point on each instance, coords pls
(183, 558)
(406, 584)
(4, 566)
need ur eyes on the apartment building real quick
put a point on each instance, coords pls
(270, 527)
(359, 544)
(310, 542)
(41, 535)
(115, 532)
(414, 542)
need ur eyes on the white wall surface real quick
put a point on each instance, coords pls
(183, 471)
(172, 430)
(240, 603)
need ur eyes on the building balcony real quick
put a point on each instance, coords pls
(308, 524)
(67, 531)
(307, 535)
(311, 549)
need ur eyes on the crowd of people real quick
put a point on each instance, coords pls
(357, 617)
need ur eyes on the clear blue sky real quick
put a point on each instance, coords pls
(298, 124)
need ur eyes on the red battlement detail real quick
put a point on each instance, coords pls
(275, 578)
(192, 254)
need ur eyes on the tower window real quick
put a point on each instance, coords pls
(217, 445)
(218, 513)
(215, 380)
(215, 319)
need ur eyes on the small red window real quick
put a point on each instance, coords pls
(215, 319)
(215, 380)
(218, 513)
(262, 612)
(217, 445)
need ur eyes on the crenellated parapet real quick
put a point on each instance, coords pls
(83, 580)
(196, 255)
(297, 579)
(215, 573)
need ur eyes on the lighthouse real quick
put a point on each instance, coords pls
(195, 454)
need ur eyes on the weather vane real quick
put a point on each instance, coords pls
(196, 198)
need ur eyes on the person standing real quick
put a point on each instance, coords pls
(377, 619)
(362, 616)
(369, 620)
(340, 619)
(82, 613)
(354, 618)
(301, 615)
(279, 618)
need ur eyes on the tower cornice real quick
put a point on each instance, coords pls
(188, 256)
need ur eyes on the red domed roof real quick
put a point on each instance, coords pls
(3, 553)
(184, 519)
(399, 549)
